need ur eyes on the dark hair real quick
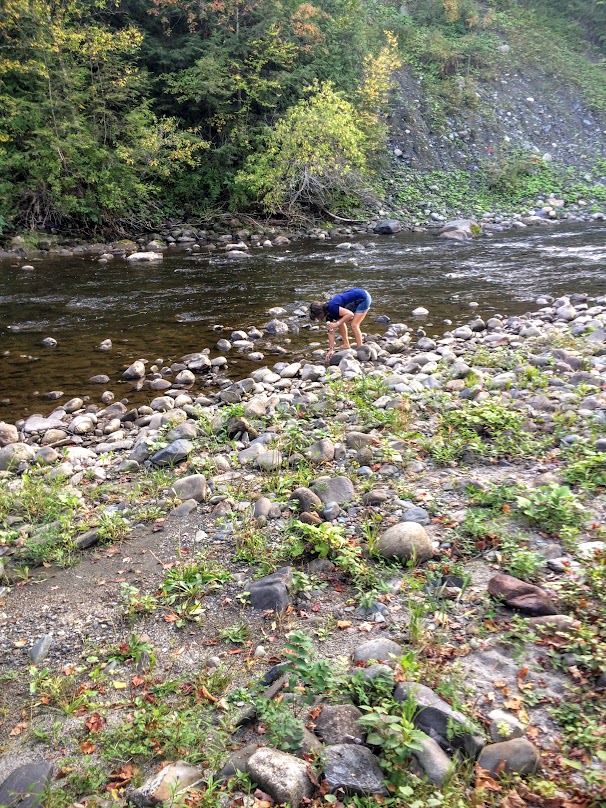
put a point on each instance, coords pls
(317, 310)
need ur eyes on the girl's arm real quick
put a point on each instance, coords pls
(345, 316)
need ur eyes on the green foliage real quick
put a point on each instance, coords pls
(553, 508)
(314, 157)
(489, 429)
(185, 585)
(310, 676)
(327, 541)
(519, 561)
(394, 733)
(585, 467)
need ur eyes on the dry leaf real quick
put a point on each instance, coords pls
(170, 618)
(18, 728)
(366, 627)
(137, 681)
(119, 685)
(343, 623)
(87, 747)
(95, 722)
(20, 643)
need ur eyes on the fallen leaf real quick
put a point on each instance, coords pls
(137, 681)
(20, 643)
(343, 623)
(366, 627)
(119, 685)
(18, 728)
(170, 618)
(316, 607)
(88, 747)
(95, 722)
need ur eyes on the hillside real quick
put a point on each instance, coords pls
(119, 115)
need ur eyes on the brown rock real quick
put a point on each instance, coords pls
(520, 595)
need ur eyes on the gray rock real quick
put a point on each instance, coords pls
(504, 726)
(436, 718)
(87, 539)
(249, 455)
(262, 508)
(185, 377)
(331, 511)
(39, 650)
(269, 461)
(184, 509)
(387, 227)
(270, 593)
(334, 489)
(284, 777)
(187, 430)
(323, 451)
(379, 650)
(36, 423)
(174, 453)
(49, 342)
(357, 440)
(338, 724)
(134, 371)
(405, 541)
(416, 514)
(82, 425)
(14, 453)
(26, 785)
(306, 500)
(192, 487)
(198, 362)
(99, 378)
(8, 434)
(354, 769)
(276, 327)
(238, 761)
(515, 756)
(375, 497)
(433, 760)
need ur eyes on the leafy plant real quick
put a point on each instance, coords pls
(553, 508)
(394, 733)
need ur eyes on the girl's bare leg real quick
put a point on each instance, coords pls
(344, 335)
(355, 326)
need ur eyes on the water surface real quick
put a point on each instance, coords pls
(167, 309)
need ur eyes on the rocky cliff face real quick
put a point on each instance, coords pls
(521, 108)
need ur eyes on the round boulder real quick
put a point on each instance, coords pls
(406, 541)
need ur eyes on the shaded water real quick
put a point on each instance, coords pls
(168, 309)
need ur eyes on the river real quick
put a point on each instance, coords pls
(169, 308)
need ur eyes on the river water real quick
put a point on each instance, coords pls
(169, 308)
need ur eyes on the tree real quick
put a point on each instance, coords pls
(315, 156)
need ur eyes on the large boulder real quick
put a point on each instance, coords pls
(406, 541)
(379, 650)
(338, 723)
(387, 227)
(270, 593)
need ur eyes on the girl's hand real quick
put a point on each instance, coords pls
(329, 354)
(332, 326)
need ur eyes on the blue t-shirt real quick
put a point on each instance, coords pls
(346, 300)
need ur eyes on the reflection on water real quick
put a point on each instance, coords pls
(167, 309)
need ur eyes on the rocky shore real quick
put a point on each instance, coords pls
(380, 580)
(237, 236)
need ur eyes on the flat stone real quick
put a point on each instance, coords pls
(322, 451)
(517, 756)
(173, 453)
(40, 649)
(184, 509)
(87, 539)
(520, 595)
(284, 777)
(379, 650)
(354, 769)
(338, 724)
(26, 785)
(334, 489)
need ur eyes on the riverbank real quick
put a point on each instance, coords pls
(432, 504)
(237, 234)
